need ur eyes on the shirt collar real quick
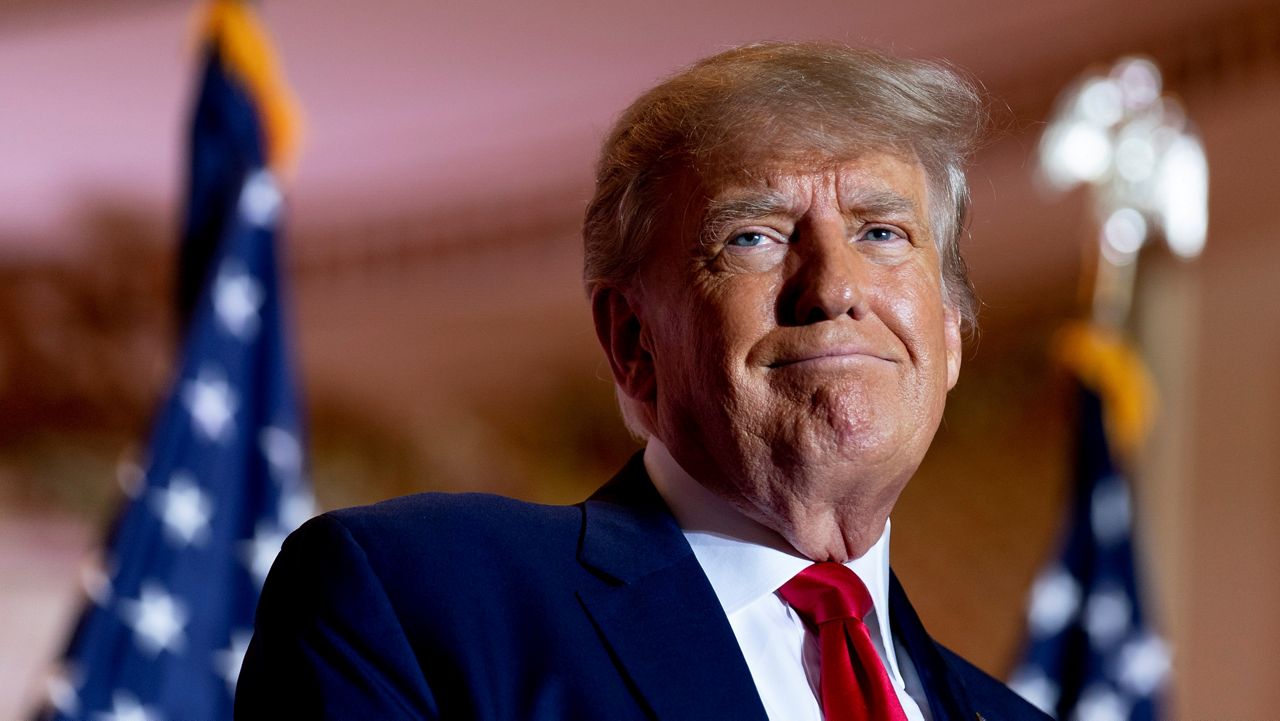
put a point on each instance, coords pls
(742, 558)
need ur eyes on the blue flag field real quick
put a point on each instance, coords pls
(170, 609)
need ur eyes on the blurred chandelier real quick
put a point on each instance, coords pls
(1143, 163)
(1137, 152)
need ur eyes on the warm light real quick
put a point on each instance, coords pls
(1101, 102)
(1073, 153)
(1139, 81)
(1136, 151)
(1182, 193)
(1135, 157)
(1123, 235)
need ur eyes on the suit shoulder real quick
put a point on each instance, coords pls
(413, 546)
(445, 514)
(449, 531)
(991, 696)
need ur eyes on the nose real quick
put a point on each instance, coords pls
(828, 282)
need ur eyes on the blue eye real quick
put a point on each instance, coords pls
(881, 234)
(748, 240)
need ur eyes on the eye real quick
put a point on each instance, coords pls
(750, 249)
(750, 239)
(881, 234)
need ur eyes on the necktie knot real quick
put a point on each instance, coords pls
(825, 592)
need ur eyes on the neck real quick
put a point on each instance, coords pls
(817, 530)
(821, 532)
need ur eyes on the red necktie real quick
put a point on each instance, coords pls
(854, 685)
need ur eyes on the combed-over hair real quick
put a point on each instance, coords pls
(812, 104)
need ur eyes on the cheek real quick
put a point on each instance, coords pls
(910, 323)
(917, 315)
(733, 314)
(697, 342)
(724, 326)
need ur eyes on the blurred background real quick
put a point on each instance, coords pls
(433, 268)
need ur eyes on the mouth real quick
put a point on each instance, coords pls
(836, 356)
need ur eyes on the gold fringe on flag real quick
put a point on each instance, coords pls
(246, 52)
(1106, 364)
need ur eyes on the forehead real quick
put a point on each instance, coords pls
(885, 181)
(869, 169)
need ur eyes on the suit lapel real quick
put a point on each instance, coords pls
(948, 697)
(655, 608)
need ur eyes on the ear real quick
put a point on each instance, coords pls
(622, 336)
(951, 337)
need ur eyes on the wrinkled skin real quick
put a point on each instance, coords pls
(789, 341)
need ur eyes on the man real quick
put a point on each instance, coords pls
(771, 256)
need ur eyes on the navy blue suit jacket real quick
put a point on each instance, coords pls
(481, 607)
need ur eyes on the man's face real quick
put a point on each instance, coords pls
(800, 343)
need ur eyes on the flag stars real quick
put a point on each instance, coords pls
(125, 707)
(212, 403)
(260, 199)
(1055, 600)
(1037, 689)
(184, 509)
(1099, 703)
(171, 616)
(1110, 511)
(1106, 616)
(157, 620)
(296, 508)
(237, 299)
(259, 552)
(1144, 664)
(229, 660)
(282, 451)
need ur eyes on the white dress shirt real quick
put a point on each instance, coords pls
(747, 563)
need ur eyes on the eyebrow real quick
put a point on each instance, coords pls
(765, 202)
(882, 203)
(758, 204)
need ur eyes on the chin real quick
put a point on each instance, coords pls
(849, 424)
(884, 454)
(837, 451)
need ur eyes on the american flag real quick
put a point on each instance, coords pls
(170, 606)
(1091, 654)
